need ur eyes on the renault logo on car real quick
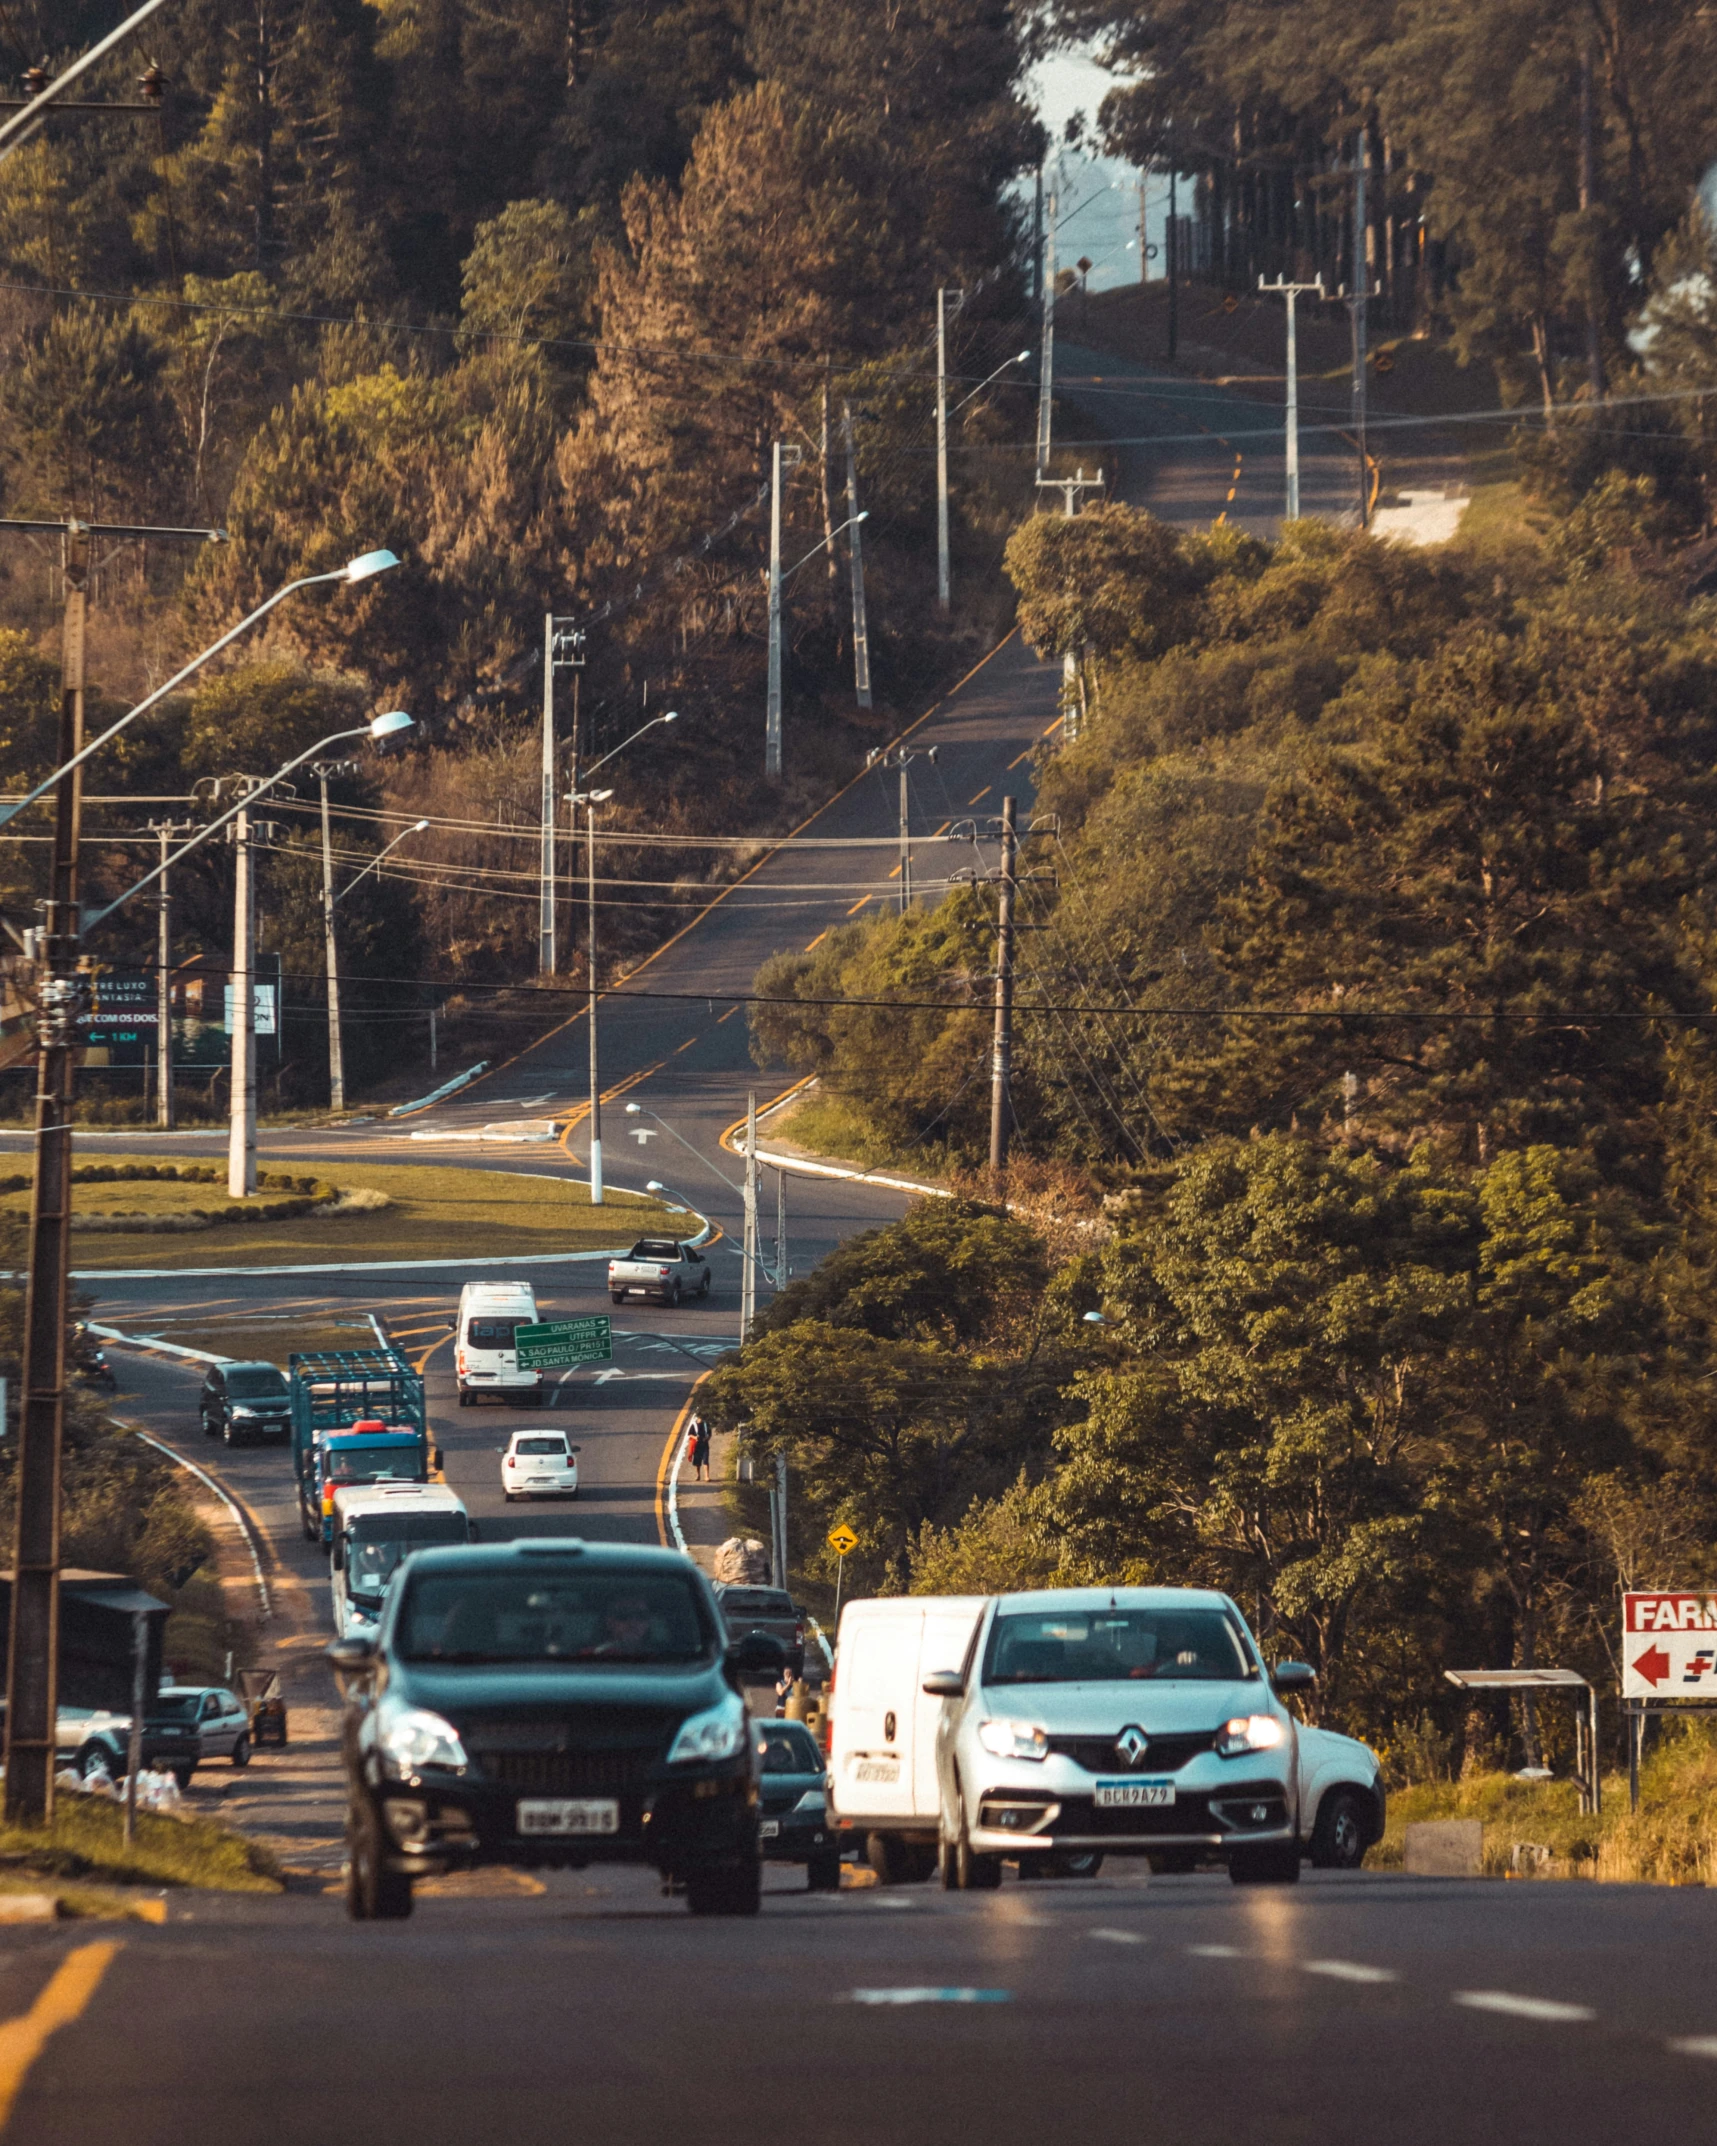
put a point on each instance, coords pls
(1131, 1745)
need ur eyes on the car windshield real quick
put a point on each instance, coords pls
(176, 1706)
(492, 1333)
(537, 1615)
(655, 1248)
(375, 1548)
(540, 1445)
(263, 1385)
(374, 1464)
(1107, 1645)
(788, 1751)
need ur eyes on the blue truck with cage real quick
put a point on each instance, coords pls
(358, 1416)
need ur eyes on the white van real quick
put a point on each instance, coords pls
(376, 1528)
(882, 1731)
(485, 1360)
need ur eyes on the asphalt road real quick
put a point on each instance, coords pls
(1354, 2009)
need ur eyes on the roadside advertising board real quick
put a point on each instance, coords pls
(1669, 1646)
(558, 1344)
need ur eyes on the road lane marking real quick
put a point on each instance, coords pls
(1118, 1937)
(1545, 2008)
(1026, 755)
(926, 1993)
(818, 940)
(856, 907)
(982, 794)
(1694, 2045)
(668, 1475)
(69, 1990)
(1349, 1971)
(1216, 1952)
(728, 1016)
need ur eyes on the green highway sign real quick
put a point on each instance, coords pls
(559, 1343)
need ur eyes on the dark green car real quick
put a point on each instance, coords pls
(552, 1703)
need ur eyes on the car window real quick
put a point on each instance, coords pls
(1111, 1645)
(756, 1602)
(540, 1445)
(262, 1384)
(175, 1706)
(492, 1333)
(657, 1248)
(541, 1615)
(788, 1751)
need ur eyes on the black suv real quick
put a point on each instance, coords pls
(245, 1401)
(551, 1702)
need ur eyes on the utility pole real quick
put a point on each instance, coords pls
(1046, 365)
(1037, 237)
(1144, 241)
(241, 1132)
(772, 718)
(590, 1018)
(748, 1278)
(855, 542)
(780, 1231)
(168, 830)
(1001, 1051)
(1361, 292)
(902, 758)
(546, 963)
(330, 945)
(778, 1532)
(1071, 487)
(1174, 262)
(1282, 288)
(943, 579)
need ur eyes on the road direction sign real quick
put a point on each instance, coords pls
(558, 1344)
(1669, 1646)
(842, 1540)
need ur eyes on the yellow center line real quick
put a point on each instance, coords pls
(942, 830)
(64, 1999)
(1026, 755)
(982, 794)
(895, 874)
(686, 1046)
(728, 1016)
(822, 935)
(858, 905)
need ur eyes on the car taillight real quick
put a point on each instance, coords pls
(459, 1362)
(798, 1635)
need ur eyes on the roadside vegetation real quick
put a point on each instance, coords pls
(86, 1845)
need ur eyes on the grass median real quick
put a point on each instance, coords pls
(432, 1212)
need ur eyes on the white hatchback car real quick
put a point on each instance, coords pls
(540, 1464)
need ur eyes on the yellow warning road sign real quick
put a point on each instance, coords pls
(842, 1540)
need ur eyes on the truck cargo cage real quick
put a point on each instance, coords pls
(335, 1388)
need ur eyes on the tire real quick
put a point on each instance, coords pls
(1075, 1863)
(1276, 1865)
(977, 1873)
(304, 1522)
(93, 1758)
(674, 1297)
(241, 1751)
(1338, 1838)
(208, 1428)
(726, 1892)
(227, 1438)
(823, 1874)
(889, 1858)
(182, 1774)
(464, 1398)
(703, 1287)
(613, 1299)
(373, 1892)
(947, 1864)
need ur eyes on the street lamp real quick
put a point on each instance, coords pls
(1019, 358)
(330, 946)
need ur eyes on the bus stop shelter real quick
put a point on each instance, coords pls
(1572, 1686)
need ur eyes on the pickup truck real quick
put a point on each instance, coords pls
(765, 1609)
(659, 1267)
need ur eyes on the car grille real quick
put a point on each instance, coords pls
(567, 1773)
(1164, 1754)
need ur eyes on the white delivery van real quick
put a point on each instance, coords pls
(376, 1528)
(484, 1358)
(882, 1728)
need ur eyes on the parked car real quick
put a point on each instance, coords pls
(240, 1402)
(659, 1267)
(795, 1827)
(260, 1690)
(184, 1726)
(765, 1609)
(540, 1464)
(1138, 1721)
(484, 1358)
(551, 1702)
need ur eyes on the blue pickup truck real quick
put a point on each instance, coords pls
(358, 1416)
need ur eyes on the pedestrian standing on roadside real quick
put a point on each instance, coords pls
(697, 1434)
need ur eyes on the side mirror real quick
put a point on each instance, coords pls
(435, 1456)
(350, 1655)
(945, 1684)
(1293, 1676)
(575, 1449)
(758, 1654)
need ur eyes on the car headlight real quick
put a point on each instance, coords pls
(1013, 1739)
(244, 1415)
(1250, 1732)
(411, 1738)
(717, 1734)
(812, 1800)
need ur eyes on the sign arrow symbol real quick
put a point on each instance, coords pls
(1653, 1665)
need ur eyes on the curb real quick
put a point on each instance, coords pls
(165, 1348)
(449, 1087)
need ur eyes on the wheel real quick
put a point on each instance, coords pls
(373, 1892)
(182, 1774)
(947, 1864)
(464, 1398)
(93, 1758)
(1276, 1865)
(674, 1297)
(703, 1287)
(726, 1892)
(1338, 1838)
(227, 1438)
(208, 1428)
(892, 1860)
(1075, 1863)
(241, 1751)
(823, 1874)
(978, 1873)
(308, 1525)
(613, 1299)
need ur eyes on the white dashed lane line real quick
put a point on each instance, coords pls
(1550, 2009)
(1349, 1971)
(1119, 1937)
(1215, 1952)
(1695, 2045)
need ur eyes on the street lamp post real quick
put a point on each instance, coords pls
(336, 1044)
(32, 1661)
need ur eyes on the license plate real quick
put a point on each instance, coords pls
(877, 1770)
(770, 1829)
(569, 1814)
(1133, 1795)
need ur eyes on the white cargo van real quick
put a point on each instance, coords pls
(882, 1733)
(376, 1528)
(485, 1360)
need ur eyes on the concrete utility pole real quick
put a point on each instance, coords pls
(241, 1133)
(322, 770)
(1001, 1049)
(780, 1231)
(778, 1514)
(772, 718)
(944, 591)
(748, 1264)
(855, 542)
(1361, 292)
(1071, 487)
(546, 963)
(1174, 262)
(1046, 366)
(1282, 288)
(168, 830)
(590, 803)
(902, 758)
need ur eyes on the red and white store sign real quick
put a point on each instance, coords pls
(1669, 1646)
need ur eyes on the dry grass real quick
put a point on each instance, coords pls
(86, 1841)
